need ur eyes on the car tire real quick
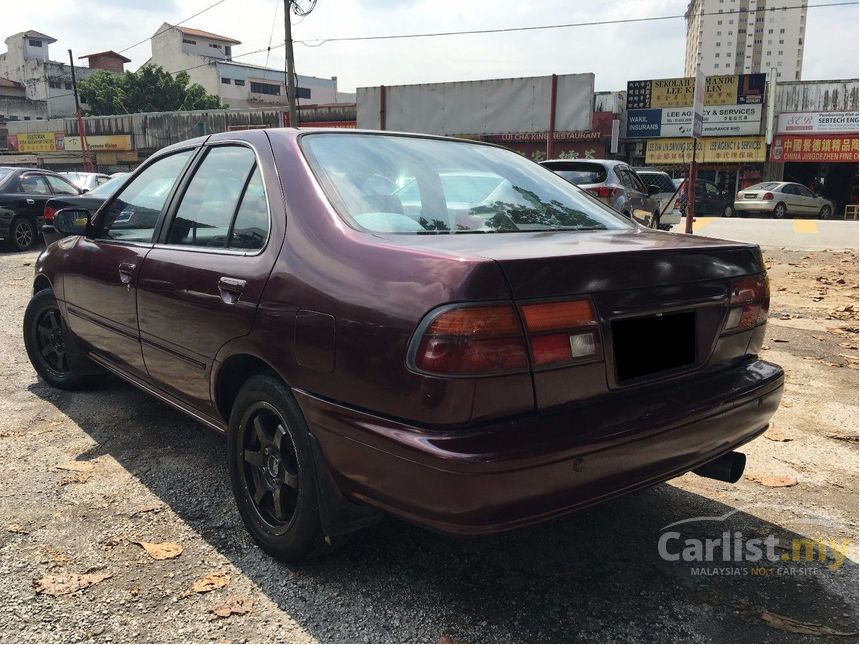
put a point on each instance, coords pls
(272, 471)
(22, 234)
(825, 213)
(728, 211)
(780, 212)
(53, 351)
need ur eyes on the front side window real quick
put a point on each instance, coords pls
(133, 214)
(212, 198)
(33, 185)
(414, 185)
(61, 186)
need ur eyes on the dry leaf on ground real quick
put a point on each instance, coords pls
(160, 550)
(66, 583)
(777, 435)
(17, 528)
(773, 481)
(792, 626)
(234, 605)
(211, 582)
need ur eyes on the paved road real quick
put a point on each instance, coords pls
(798, 234)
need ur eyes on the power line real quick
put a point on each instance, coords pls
(318, 42)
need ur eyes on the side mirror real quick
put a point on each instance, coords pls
(653, 190)
(71, 221)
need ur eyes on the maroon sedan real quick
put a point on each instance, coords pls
(432, 328)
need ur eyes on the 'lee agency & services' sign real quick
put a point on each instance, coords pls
(664, 107)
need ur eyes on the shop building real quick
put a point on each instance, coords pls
(815, 140)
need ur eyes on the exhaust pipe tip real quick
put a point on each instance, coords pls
(726, 468)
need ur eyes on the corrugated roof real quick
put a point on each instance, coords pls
(6, 82)
(109, 52)
(207, 34)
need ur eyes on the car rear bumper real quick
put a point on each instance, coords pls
(520, 471)
(754, 206)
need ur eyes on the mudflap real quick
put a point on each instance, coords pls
(338, 515)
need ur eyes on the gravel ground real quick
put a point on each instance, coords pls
(142, 472)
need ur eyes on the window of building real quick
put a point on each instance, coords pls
(718, 44)
(188, 41)
(781, 42)
(54, 85)
(215, 46)
(68, 86)
(239, 82)
(770, 31)
(34, 43)
(303, 93)
(265, 88)
(768, 53)
(228, 50)
(800, 41)
(719, 22)
(717, 55)
(225, 81)
(26, 118)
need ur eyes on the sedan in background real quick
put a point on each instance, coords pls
(23, 195)
(90, 201)
(614, 183)
(471, 372)
(86, 181)
(782, 199)
(710, 200)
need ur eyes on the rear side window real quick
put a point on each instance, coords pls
(768, 185)
(224, 205)
(61, 186)
(579, 173)
(133, 214)
(33, 185)
(659, 179)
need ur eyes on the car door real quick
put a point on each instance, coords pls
(34, 193)
(637, 196)
(791, 199)
(807, 201)
(200, 285)
(713, 201)
(100, 280)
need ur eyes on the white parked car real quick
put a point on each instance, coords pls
(782, 199)
(86, 181)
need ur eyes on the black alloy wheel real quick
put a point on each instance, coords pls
(51, 342)
(270, 466)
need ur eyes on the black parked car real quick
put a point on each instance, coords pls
(710, 200)
(89, 201)
(23, 195)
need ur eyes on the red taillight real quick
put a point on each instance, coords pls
(750, 302)
(603, 192)
(767, 196)
(561, 332)
(489, 340)
(472, 340)
(48, 214)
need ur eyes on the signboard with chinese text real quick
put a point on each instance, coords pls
(815, 148)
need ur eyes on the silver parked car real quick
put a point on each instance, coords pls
(86, 181)
(782, 199)
(614, 183)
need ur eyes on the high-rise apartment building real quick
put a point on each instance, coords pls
(746, 37)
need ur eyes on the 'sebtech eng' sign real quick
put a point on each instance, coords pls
(664, 107)
(817, 122)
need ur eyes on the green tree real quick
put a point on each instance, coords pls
(149, 89)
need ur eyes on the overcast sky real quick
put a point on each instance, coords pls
(615, 53)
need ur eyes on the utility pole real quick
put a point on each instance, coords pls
(291, 66)
(88, 164)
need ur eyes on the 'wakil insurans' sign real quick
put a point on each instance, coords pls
(664, 107)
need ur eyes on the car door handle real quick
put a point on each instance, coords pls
(30, 202)
(230, 289)
(126, 271)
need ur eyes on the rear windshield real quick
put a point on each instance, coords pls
(659, 179)
(4, 173)
(768, 185)
(579, 173)
(413, 185)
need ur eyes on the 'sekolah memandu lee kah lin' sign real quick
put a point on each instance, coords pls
(664, 107)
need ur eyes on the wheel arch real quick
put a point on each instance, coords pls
(232, 374)
(40, 283)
